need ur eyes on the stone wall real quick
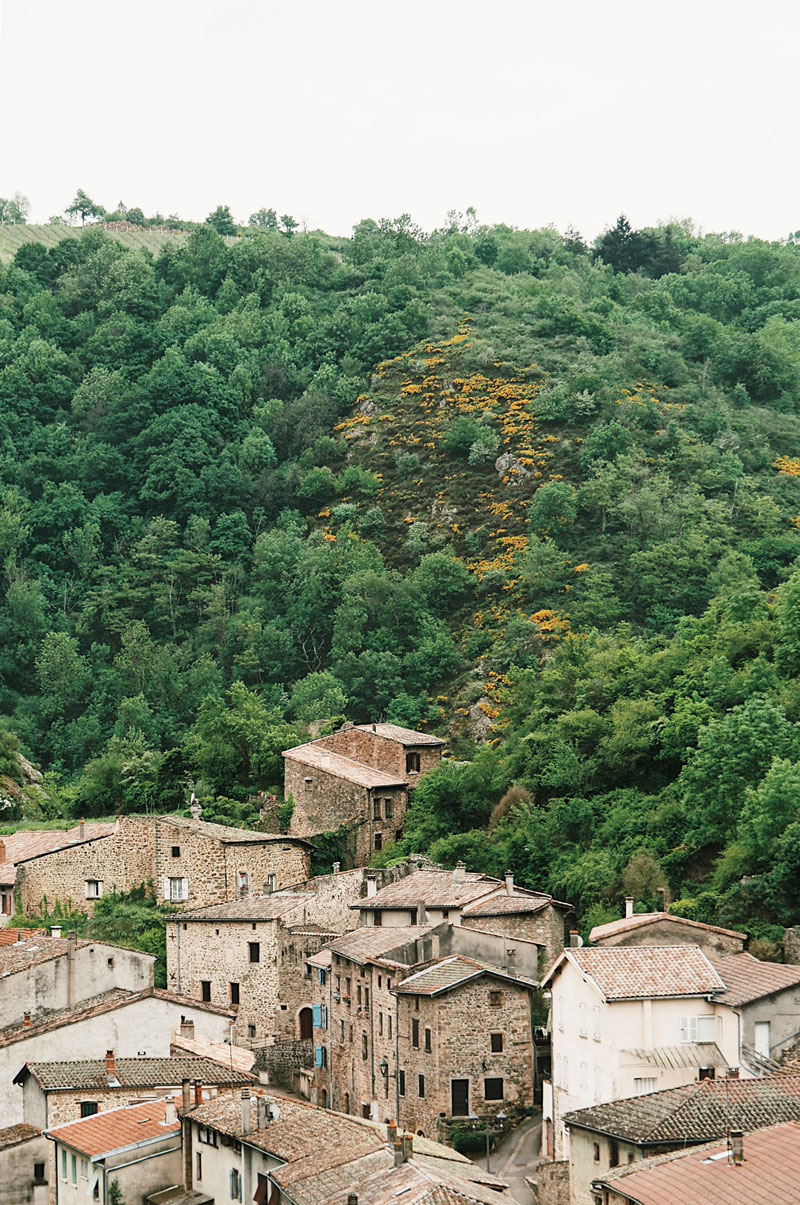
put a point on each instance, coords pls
(461, 1049)
(545, 927)
(553, 1183)
(380, 752)
(669, 932)
(284, 1060)
(120, 861)
(791, 945)
(361, 1036)
(324, 802)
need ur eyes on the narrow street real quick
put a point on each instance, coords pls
(516, 1158)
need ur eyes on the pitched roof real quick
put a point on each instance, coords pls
(16, 1135)
(256, 907)
(115, 1129)
(10, 937)
(342, 767)
(131, 1073)
(376, 941)
(642, 972)
(403, 736)
(420, 1182)
(236, 1057)
(688, 1054)
(451, 972)
(510, 905)
(26, 844)
(37, 950)
(438, 888)
(697, 1112)
(228, 835)
(747, 978)
(629, 924)
(770, 1173)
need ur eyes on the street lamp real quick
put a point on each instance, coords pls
(501, 1117)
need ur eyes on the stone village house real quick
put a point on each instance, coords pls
(666, 929)
(23, 1166)
(189, 862)
(17, 847)
(358, 778)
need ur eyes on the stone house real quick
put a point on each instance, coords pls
(666, 929)
(17, 847)
(189, 862)
(275, 1150)
(138, 1147)
(358, 778)
(23, 1166)
(765, 996)
(252, 954)
(761, 1168)
(621, 1132)
(370, 1046)
(41, 974)
(470, 899)
(628, 1021)
(134, 1024)
(54, 1093)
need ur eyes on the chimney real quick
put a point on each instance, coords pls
(20, 936)
(187, 1029)
(198, 1093)
(509, 883)
(391, 1132)
(55, 931)
(2, 851)
(511, 962)
(460, 873)
(26, 1020)
(186, 1095)
(737, 1147)
(372, 886)
(82, 830)
(337, 866)
(170, 1114)
(664, 893)
(352, 1198)
(111, 1063)
(398, 1152)
(247, 1111)
(628, 906)
(421, 913)
(732, 1073)
(374, 728)
(575, 939)
(408, 1146)
(262, 1113)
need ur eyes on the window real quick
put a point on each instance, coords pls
(251, 1030)
(387, 808)
(642, 1084)
(341, 1031)
(74, 1169)
(94, 889)
(698, 1029)
(322, 976)
(377, 917)
(63, 1164)
(401, 1086)
(427, 1041)
(631, 1156)
(88, 1108)
(358, 993)
(177, 890)
(496, 1043)
(493, 1088)
(269, 886)
(380, 1024)
(319, 1016)
(348, 986)
(236, 1184)
(378, 841)
(234, 993)
(415, 1033)
(110, 962)
(205, 991)
(255, 953)
(379, 981)
(176, 851)
(421, 1087)
(584, 1078)
(320, 1056)
(596, 1151)
(242, 884)
(308, 783)
(495, 999)
(582, 1011)
(376, 809)
(762, 1038)
(209, 1137)
(565, 1074)
(38, 1172)
(199, 1166)
(596, 1022)
(613, 1153)
(364, 1049)
(366, 997)
(412, 763)
(389, 1019)
(365, 1110)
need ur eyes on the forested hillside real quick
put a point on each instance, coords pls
(539, 497)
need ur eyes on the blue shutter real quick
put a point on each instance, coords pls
(316, 1016)
(319, 1051)
(324, 1017)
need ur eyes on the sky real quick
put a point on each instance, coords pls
(562, 113)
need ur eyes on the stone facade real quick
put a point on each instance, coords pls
(545, 928)
(384, 752)
(188, 862)
(552, 1183)
(283, 1061)
(662, 929)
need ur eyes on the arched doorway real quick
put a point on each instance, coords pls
(306, 1018)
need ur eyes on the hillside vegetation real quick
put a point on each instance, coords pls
(540, 497)
(12, 237)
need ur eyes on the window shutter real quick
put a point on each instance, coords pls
(166, 888)
(684, 1029)
(184, 889)
(316, 1012)
(324, 1017)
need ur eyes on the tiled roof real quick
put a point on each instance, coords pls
(24, 844)
(236, 1057)
(40, 949)
(697, 1112)
(116, 1129)
(342, 767)
(769, 1174)
(747, 978)
(628, 924)
(403, 736)
(376, 941)
(642, 972)
(95, 1006)
(450, 972)
(508, 905)
(133, 1073)
(438, 888)
(256, 907)
(418, 1182)
(10, 937)
(15, 1135)
(228, 835)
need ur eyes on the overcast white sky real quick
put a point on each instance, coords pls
(334, 110)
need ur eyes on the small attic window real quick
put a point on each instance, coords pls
(176, 851)
(308, 783)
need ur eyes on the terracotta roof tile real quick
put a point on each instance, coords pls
(629, 924)
(695, 1112)
(769, 1174)
(133, 1073)
(450, 972)
(229, 835)
(219, 1052)
(15, 1135)
(509, 905)
(14, 958)
(342, 767)
(377, 941)
(116, 1129)
(403, 736)
(10, 937)
(438, 888)
(641, 972)
(747, 978)
(26, 844)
